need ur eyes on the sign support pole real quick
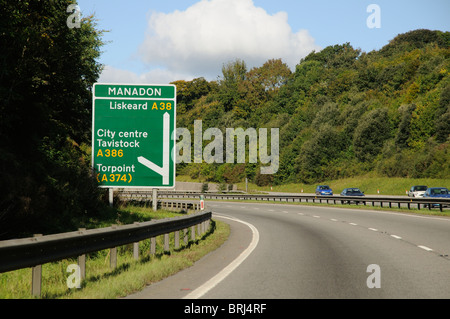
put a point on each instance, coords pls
(155, 199)
(111, 196)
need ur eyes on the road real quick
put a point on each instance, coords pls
(294, 251)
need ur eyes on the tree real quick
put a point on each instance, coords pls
(46, 72)
(188, 92)
(415, 39)
(233, 73)
(403, 131)
(271, 75)
(443, 116)
(318, 152)
(335, 56)
(372, 130)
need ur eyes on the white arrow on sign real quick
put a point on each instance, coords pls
(164, 170)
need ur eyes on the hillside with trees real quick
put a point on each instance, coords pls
(46, 73)
(341, 112)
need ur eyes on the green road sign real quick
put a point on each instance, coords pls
(132, 135)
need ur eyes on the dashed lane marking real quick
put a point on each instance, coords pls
(425, 247)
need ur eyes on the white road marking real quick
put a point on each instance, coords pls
(396, 237)
(211, 283)
(425, 247)
(335, 220)
(373, 229)
(315, 216)
(353, 224)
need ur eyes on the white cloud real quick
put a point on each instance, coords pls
(156, 76)
(202, 38)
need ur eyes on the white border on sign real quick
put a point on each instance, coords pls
(173, 135)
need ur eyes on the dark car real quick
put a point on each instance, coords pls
(324, 190)
(353, 191)
(436, 192)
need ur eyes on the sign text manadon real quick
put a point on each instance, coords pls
(132, 126)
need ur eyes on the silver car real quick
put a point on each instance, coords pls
(417, 191)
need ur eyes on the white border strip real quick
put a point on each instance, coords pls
(211, 283)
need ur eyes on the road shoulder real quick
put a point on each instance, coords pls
(182, 283)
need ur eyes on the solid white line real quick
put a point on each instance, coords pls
(396, 237)
(211, 283)
(425, 247)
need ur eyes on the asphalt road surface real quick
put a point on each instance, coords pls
(294, 251)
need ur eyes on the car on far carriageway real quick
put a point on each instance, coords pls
(352, 191)
(324, 190)
(436, 192)
(417, 191)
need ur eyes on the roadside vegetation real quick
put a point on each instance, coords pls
(130, 275)
(342, 113)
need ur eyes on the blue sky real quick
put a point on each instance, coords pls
(153, 41)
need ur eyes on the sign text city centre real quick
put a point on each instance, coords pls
(132, 130)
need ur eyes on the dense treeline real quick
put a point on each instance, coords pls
(341, 113)
(46, 72)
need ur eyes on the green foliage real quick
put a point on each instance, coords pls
(403, 131)
(317, 152)
(233, 75)
(342, 112)
(443, 116)
(372, 130)
(188, 92)
(46, 71)
(416, 39)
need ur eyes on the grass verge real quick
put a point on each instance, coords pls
(371, 185)
(130, 276)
